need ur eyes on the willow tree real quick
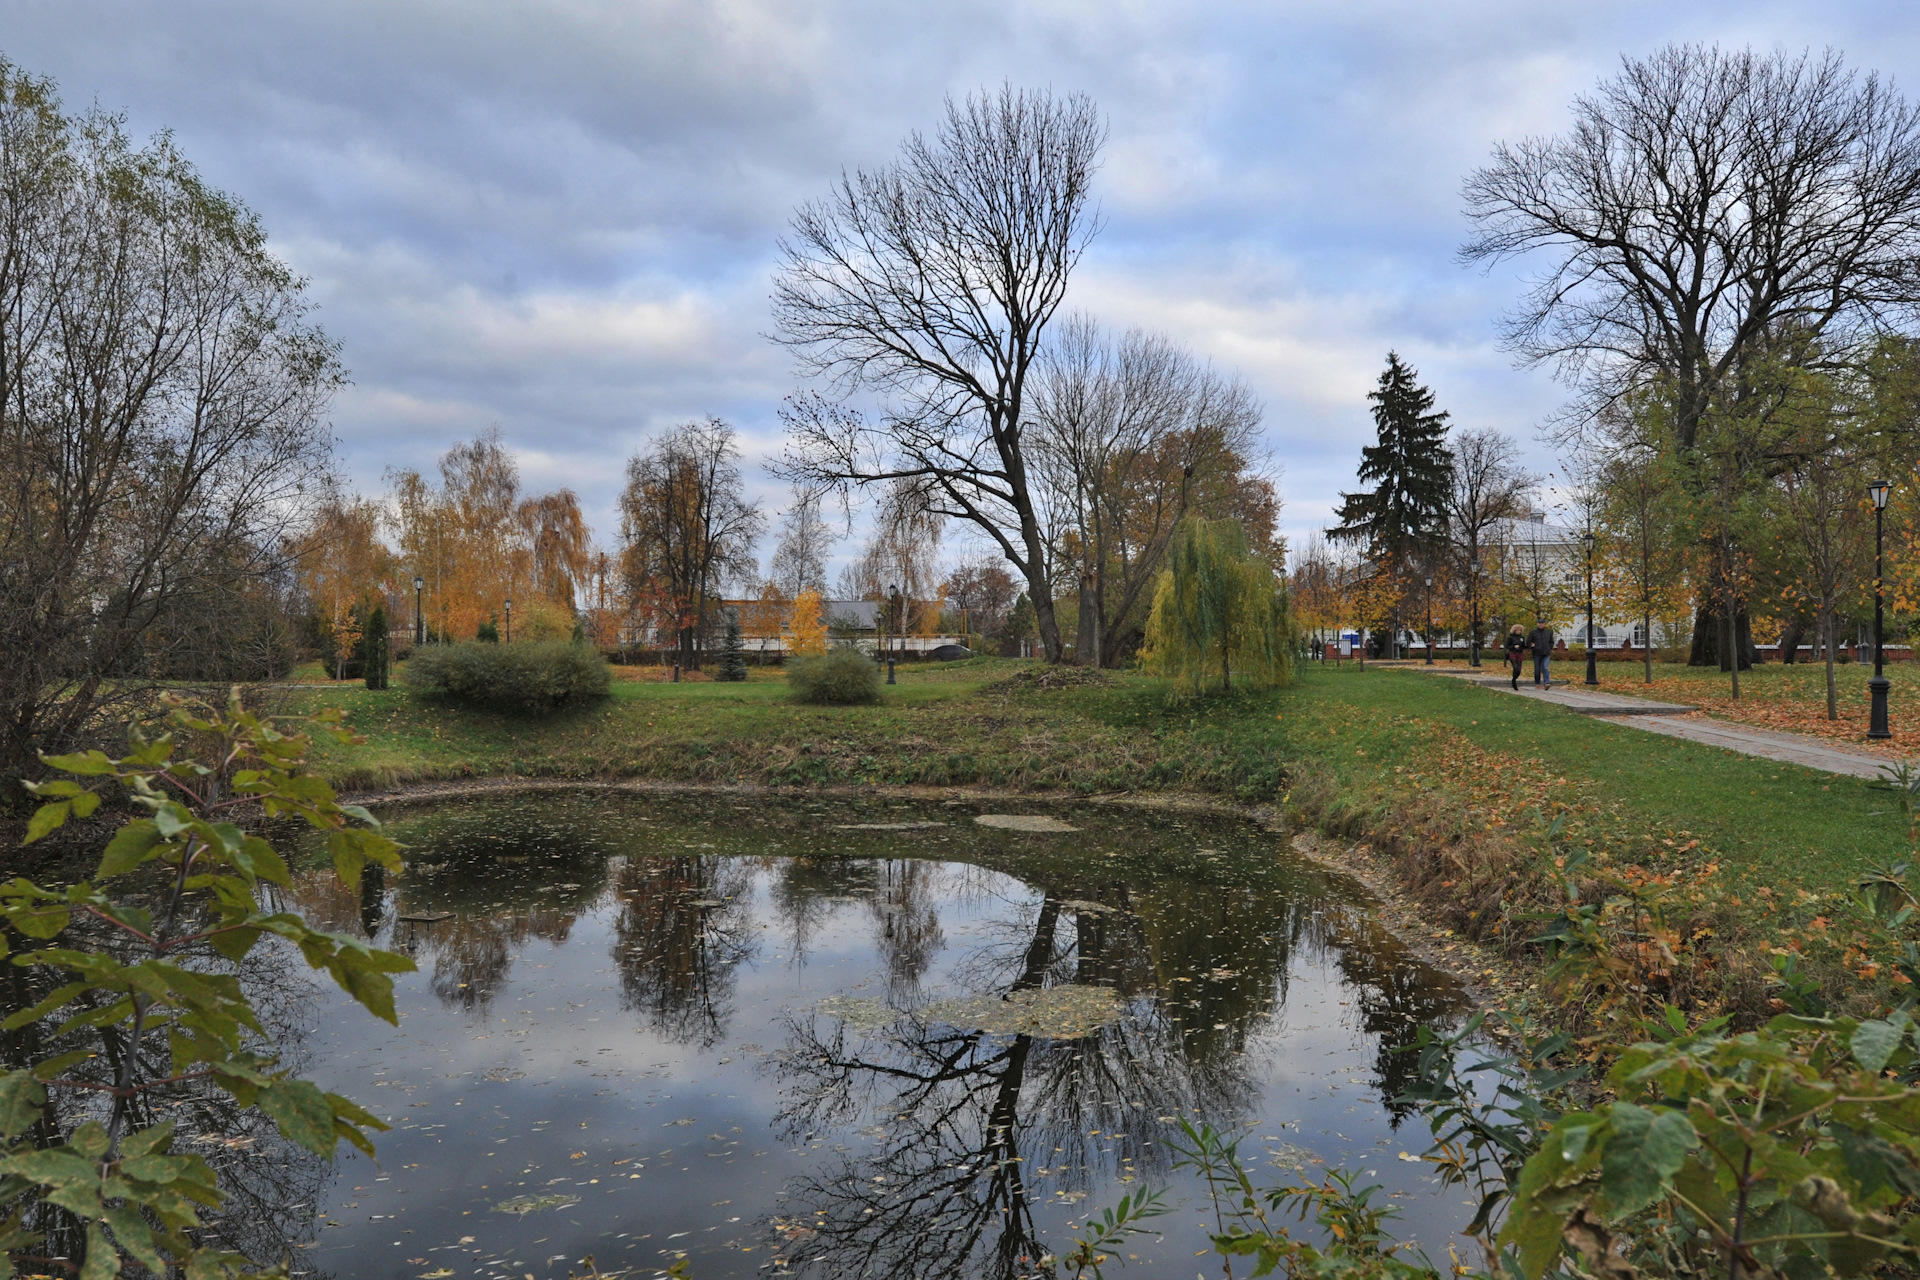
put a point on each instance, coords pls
(1219, 610)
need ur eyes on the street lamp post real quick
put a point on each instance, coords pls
(1877, 687)
(1593, 656)
(509, 619)
(419, 619)
(1429, 621)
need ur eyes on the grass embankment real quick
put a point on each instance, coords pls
(1361, 751)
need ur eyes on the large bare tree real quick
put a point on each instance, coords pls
(162, 394)
(931, 282)
(688, 528)
(1705, 203)
(1710, 212)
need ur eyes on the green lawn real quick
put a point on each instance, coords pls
(1365, 745)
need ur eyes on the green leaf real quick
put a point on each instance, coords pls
(1644, 1151)
(302, 1112)
(132, 845)
(143, 1141)
(90, 1140)
(47, 819)
(103, 1261)
(85, 803)
(87, 764)
(21, 1100)
(131, 1232)
(1874, 1042)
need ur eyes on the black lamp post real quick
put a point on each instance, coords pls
(1429, 621)
(1877, 687)
(509, 619)
(1593, 657)
(893, 598)
(419, 619)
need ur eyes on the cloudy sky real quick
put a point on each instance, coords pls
(560, 217)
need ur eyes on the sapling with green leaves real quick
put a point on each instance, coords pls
(149, 1002)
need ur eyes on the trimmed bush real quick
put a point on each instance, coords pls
(527, 679)
(843, 675)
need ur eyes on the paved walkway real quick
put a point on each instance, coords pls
(1672, 720)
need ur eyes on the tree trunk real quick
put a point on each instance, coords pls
(1646, 649)
(1086, 640)
(1790, 639)
(1707, 650)
(1826, 644)
(1045, 625)
(1730, 650)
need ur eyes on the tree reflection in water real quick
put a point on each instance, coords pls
(976, 1128)
(682, 932)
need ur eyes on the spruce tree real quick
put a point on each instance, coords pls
(1402, 519)
(733, 659)
(376, 654)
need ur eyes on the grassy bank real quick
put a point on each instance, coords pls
(1358, 751)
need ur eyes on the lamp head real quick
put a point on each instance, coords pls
(1587, 537)
(1880, 489)
(418, 582)
(509, 604)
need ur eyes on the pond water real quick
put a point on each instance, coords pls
(844, 1039)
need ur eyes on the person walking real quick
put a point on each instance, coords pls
(1517, 646)
(1542, 641)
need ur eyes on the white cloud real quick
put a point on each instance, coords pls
(560, 216)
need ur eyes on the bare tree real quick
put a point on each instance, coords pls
(162, 392)
(1131, 436)
(1704, 203)
(800, 560)
(688, 528)
(932, 281)
(1489, 489)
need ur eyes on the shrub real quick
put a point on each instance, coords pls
(843, 675)
(530, 679)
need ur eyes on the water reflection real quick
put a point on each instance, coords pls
(681, 934)
(973, 1127)
(699, 975)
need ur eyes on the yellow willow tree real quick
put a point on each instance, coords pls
(1219, 610)
(344, 569)
(477, 542)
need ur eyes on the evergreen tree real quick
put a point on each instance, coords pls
(1402, 519)
(733, 659)
(376, 649)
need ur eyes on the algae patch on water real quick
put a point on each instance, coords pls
(1024, 822)
(520, 1206)
(1057, 1013)
(862, 1012)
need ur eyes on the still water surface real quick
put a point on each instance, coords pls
(836, 1039)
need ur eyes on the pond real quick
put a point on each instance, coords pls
(843, 1039)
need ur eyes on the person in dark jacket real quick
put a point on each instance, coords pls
(1517, 646)
(1542, 640)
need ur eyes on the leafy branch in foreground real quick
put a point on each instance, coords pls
(152, 1002)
